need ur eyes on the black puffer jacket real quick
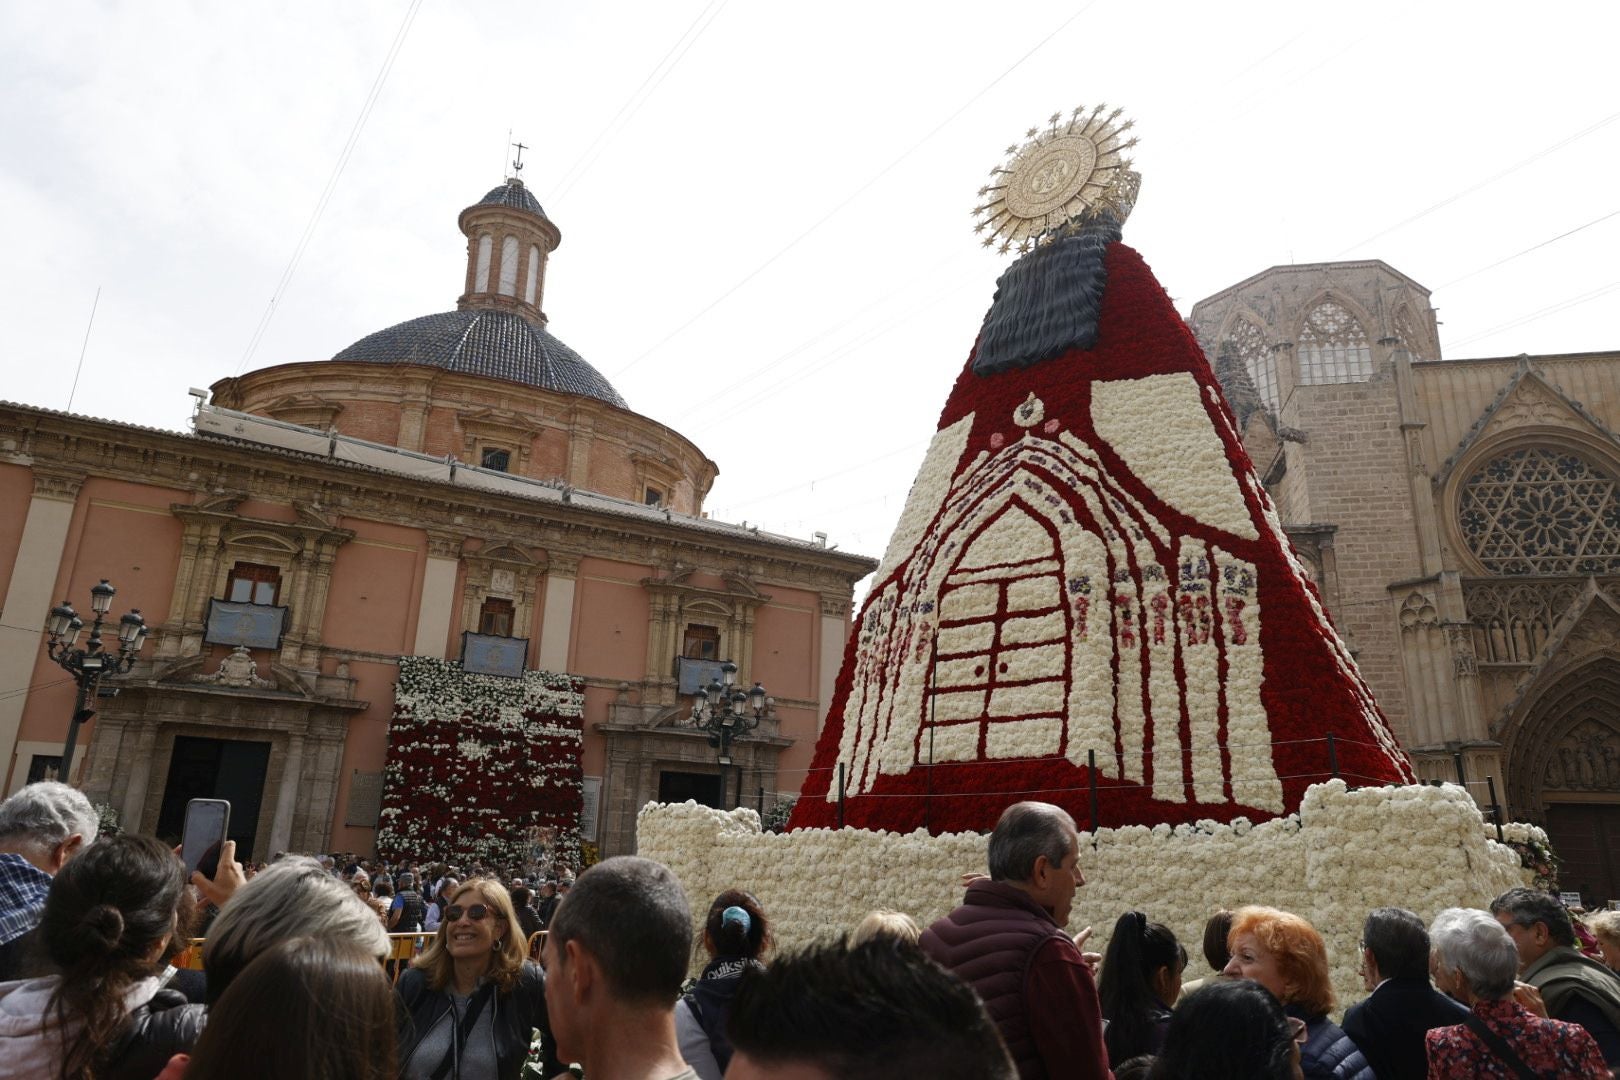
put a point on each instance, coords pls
(164, 1026)
(516, 1013)
(1328, 1053)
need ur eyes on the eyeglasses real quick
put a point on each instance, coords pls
(1297, 1028)
(476, 912)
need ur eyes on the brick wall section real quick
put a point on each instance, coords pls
(1355, 439)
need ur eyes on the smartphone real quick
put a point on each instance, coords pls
(206, 823)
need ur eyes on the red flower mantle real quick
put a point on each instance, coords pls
(1309, 688)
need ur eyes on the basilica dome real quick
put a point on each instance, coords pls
(480, 341)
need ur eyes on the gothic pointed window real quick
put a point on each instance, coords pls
(1407, 332)
(1542, 510)
(1333, 346)
(1258, 360)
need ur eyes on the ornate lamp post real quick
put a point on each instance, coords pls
(726, 712)
(88, 664)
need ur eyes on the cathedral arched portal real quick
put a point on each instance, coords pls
(1563, 768)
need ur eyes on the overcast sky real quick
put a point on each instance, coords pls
(765, 207)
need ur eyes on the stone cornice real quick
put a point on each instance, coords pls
(187, 463)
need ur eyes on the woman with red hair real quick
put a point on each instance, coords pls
(1285, 954)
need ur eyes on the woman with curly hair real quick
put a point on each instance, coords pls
(106, 931)
(470, 1001)
(1284, 953)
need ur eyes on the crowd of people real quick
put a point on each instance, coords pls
(294, 979)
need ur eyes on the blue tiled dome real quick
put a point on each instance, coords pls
(498, 344)
(513, 194)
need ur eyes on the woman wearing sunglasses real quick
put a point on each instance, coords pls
(470, 1001)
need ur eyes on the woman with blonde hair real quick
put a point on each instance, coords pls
(470, 1001)
(1284, 953)
(1605, 927)
(883, 923)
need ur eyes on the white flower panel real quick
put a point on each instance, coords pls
(967, 671)
(1034, 593)
(1037, 737)
(1026, 665)
(969, 602)
(958, 742)
(1159, 629)
(927, 494)
(1011, 538)
(974, 638)
(962, 705)
(1159, 426)
(1033, 630)
(1011, 702)
(1248, 734)
(1201, 664)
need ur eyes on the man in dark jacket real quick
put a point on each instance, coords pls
(1389, 1027)
(1008, 942)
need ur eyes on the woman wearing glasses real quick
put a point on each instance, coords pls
(470, 1001)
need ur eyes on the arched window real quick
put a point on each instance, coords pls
(1258, 360)
(1406, 329)
(509, 266)
(534, 274)
(1333, 347)
(1541, 510)
(481, 282)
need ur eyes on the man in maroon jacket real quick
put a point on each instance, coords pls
(1008, 942)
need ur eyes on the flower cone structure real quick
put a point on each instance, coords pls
(1088, 568)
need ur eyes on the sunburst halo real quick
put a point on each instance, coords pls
(1059, 178)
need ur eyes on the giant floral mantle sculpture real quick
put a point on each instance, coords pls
(482, 768)
(1088, 585)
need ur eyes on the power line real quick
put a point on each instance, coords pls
(1528, 250)
(1537, 156)
(331, 184)
(82, 348)
(857, 193)
(583, 163)
(1551, 309)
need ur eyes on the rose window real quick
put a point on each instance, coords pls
(1541, 511)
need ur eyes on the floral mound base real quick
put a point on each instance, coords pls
(1343, 854)
(482, 768)
(1088, 584)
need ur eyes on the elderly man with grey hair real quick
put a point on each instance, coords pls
(295, 898)
(41, 828)
(1575, 987)
(1474, 960)
(1008, 942)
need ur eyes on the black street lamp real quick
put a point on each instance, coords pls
(727, 712)
(88, 664)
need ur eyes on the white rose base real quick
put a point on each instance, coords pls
(1345, 853)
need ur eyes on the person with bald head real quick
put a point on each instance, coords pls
(1007, 941)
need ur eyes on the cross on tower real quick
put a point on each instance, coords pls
(517, 163)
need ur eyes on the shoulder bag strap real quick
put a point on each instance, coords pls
(1499, 1046)
(462, 1031)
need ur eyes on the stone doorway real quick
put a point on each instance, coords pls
(230, 769)
(1586, 837)
(702, 788)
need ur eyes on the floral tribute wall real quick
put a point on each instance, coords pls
(482, 768)
(1087, 570)
(1343, 853)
